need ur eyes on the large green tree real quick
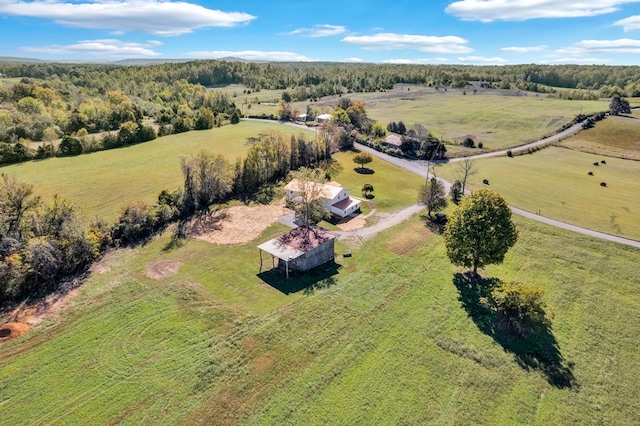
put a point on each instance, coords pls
(480, 231)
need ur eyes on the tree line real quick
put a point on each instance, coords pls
(42, 243)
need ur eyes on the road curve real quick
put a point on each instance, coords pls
(419, 167)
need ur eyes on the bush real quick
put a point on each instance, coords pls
(69, 146)
(520, 306)
(469, 143)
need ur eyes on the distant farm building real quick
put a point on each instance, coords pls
(393, 141)
(302, 118)
(336, 199)
(323, 118)
(300, 249)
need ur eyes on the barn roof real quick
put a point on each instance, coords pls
(297, 242)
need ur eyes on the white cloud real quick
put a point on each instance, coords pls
(521, 10)
(166, 18)
(589, 47)
(102, 48)
(429, 44)
(524, 49)
(251, 55)
(353, 59)
(632, 23)
(496, 60)
(324, 30)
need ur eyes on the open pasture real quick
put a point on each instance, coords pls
(616, 136)
(555, 182)
(496, 118)
(101, 183)
(255, 103)
(389, 336)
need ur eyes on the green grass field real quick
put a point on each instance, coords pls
(386, 340)
(103, 182)
(614, 137)
(393, 187)
(498, 121)
(555, 182)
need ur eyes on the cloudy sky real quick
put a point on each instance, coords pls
(398, 31)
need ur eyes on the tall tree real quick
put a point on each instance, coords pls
(466, 168)
(433, 195)
(480, 231)
(309, 206)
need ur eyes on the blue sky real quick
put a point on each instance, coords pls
(497, 32)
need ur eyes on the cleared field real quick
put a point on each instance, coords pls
(616, 136)
(387, 339)
(555, 183)
(254, 103)
(103, 182)
(498, 119)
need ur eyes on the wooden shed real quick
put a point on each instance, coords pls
(300, 249)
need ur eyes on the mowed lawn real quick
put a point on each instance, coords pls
(393, 187)
(101, 183)
(390, 339)
(555, 183)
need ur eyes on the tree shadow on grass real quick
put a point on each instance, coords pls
(316, 279)
(364, 170)
(536, 351)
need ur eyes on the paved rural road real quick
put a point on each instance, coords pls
(419, 167)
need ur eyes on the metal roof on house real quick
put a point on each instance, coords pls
(329, 190)
(346, 203)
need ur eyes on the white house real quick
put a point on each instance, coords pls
(335, 198)
(323, 118)
(302, 118)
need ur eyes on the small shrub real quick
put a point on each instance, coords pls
(469, 143)
(480, 145)
(509, 153)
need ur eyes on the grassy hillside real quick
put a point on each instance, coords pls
(616, 137)
(555, 182)
(497, 120)
(101, 183)
(391, 338)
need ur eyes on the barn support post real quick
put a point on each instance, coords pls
(260, 261)
(286, 268)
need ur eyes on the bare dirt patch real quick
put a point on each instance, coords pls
(162, 268)
(12, 330)
(350, 225)
(34, 312)
(235, 225)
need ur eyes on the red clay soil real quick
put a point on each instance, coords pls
(12, 330)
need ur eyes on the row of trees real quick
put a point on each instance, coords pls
(313, 80)
(41, 243)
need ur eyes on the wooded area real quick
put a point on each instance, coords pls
(52, 100)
